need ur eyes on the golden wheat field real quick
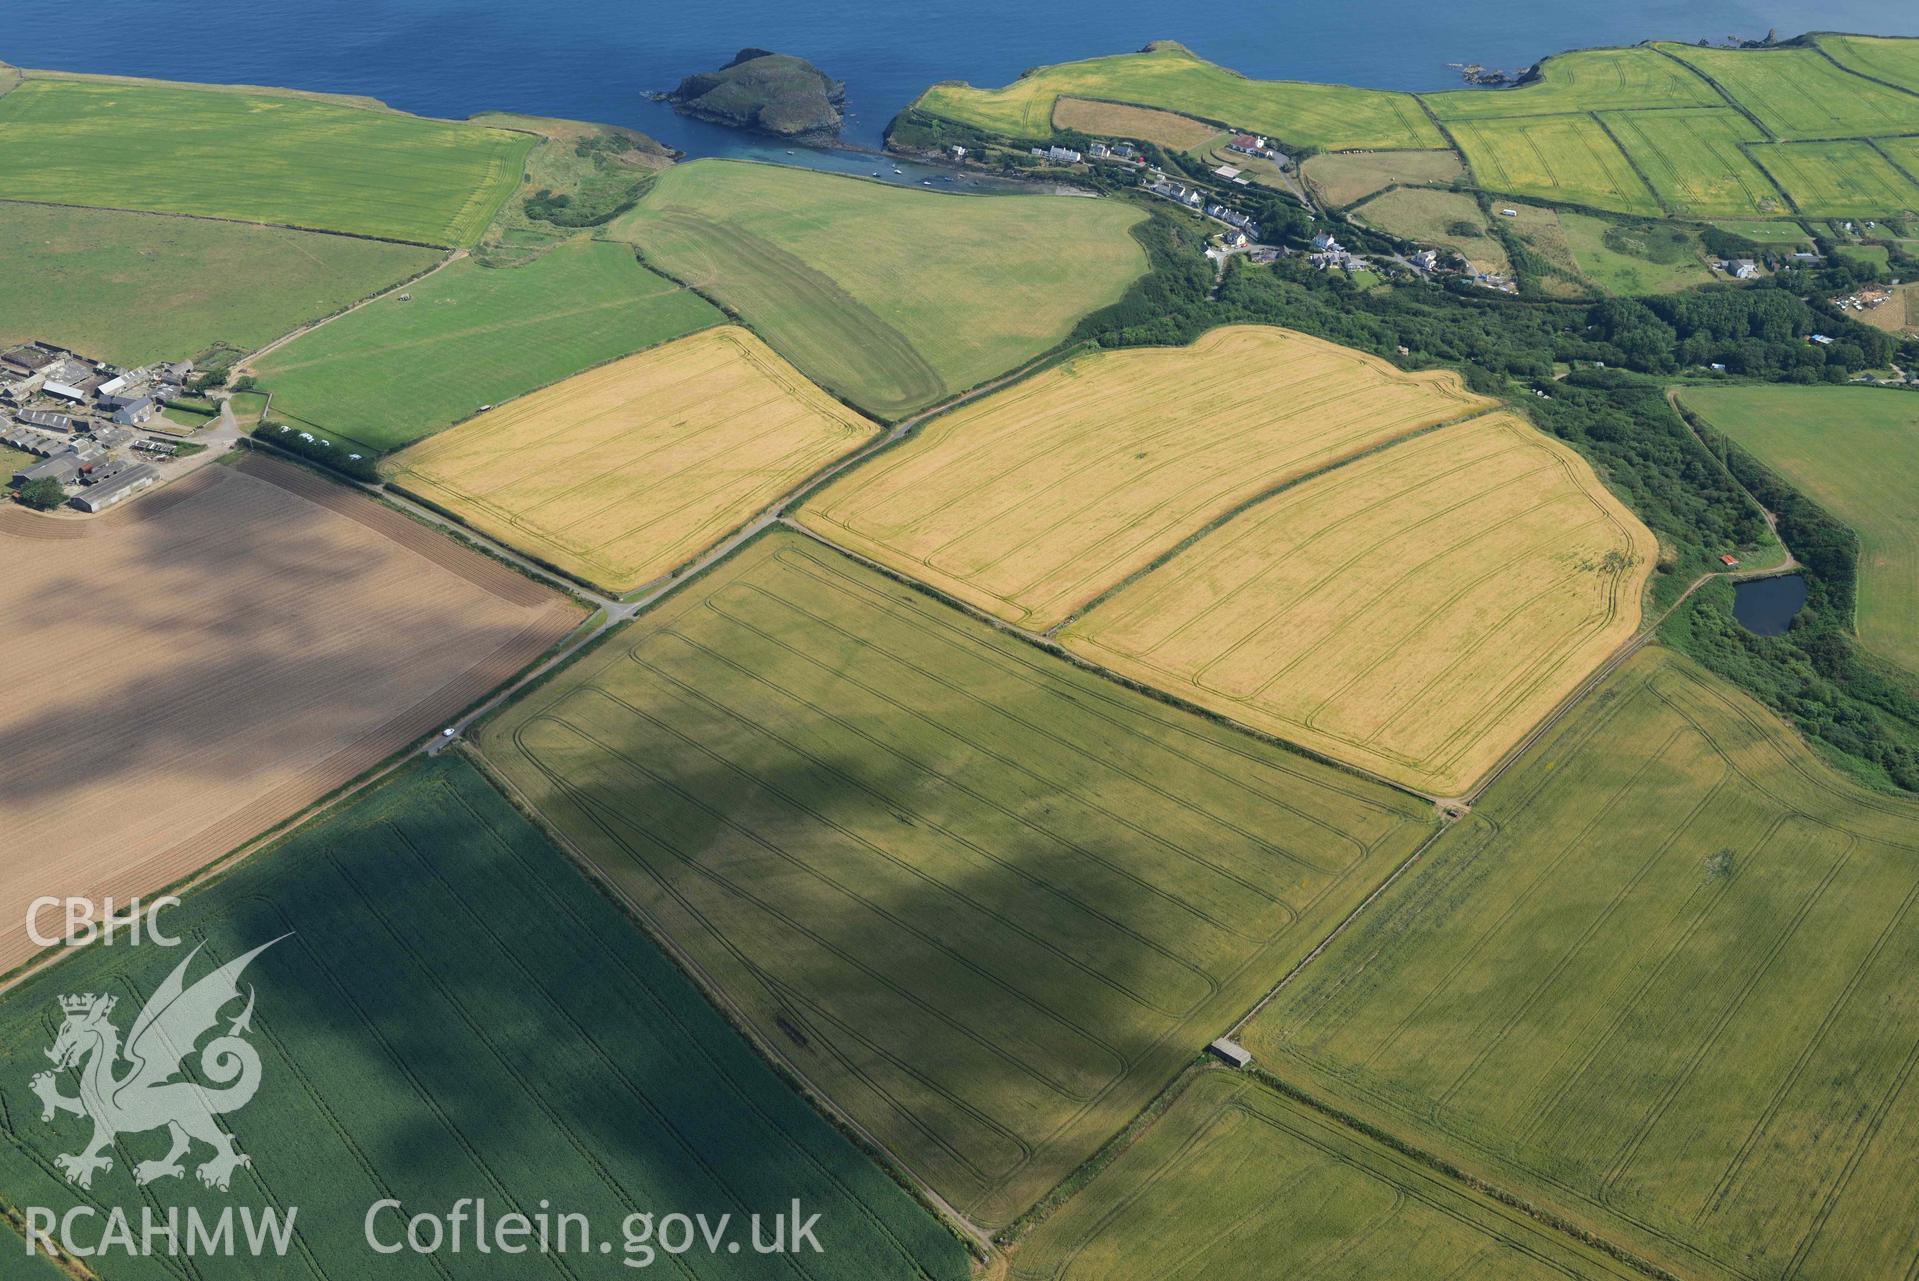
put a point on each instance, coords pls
(619, 474)
(1032, 502)
(1148, 124)
(1413, 613)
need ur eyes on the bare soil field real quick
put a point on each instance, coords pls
(207, 662)
(1033, 501)
(619, 474)
(1413, 613)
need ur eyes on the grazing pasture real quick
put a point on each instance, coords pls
(1695, 161)
(1144, 124)
(252, 637)
(1797, 92)
(1343, 178)
(1170, 77)
(620, 474)
(255, 155)
(1569, 159)
(987, 903)
(399, 369)
(1659, 983)
(1854, 451)
(1631, 259)
(1413, 613)
(453, 1011)
(891, 298)
(1584, 80)
(1235, 1171)
(1031, 502)
(1843, 179)
(1894, 59)
(133, 288)
(1437, 218)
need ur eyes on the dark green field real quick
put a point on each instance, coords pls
(457, 1013)
(986, 902)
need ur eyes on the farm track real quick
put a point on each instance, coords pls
(245, 364)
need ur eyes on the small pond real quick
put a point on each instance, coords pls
(1766, 605)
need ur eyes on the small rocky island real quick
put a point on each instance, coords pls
(775, 93)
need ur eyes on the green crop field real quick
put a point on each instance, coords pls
(1676, 111)
(1659, 982)
(396, 370)
(1904, 152)
(1567, 159)
(1799, 93)
(988, 903)
(304, 160)
(1844, 179)
(1172, 78)
(1630, 259)
(452, 1011)
(1235, 1171)
(1854, 451)
(1584, 80)
(1695, 162)
(891, 298)
(132, 288)
(1893, 59)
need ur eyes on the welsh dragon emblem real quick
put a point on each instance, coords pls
(141, 1086)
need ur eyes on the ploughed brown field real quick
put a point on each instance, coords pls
(206, 662)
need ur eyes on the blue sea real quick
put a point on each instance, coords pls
(598, 59)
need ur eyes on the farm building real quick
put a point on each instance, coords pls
(46, 421)
(1229, 1052)
(65, 391)
(62, 467)
(123, 484)
(136, 412)
(27, 360)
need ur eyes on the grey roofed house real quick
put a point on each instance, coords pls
(46, 421)
(124, 485)
(137, 412)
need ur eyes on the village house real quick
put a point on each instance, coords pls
(1058, 155)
